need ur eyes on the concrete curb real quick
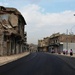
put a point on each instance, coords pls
(8, 59)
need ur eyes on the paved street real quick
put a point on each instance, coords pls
(40, 64)
(7, 59)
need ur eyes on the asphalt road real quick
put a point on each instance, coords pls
(39, 64)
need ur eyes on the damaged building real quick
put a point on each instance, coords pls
(57, 43)
(12, 36)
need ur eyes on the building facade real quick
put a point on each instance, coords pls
(43, 44)
(32, 47)
(58, 42)
(61, 42)
(12, 25)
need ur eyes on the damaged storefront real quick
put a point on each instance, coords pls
(12, 26)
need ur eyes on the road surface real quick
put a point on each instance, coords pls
(39, 64)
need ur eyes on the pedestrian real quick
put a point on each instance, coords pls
(71, 52)
(66, 52)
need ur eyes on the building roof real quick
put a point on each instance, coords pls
(4, 10)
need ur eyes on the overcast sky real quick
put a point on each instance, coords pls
(45, 17)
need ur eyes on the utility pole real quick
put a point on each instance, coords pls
(67, 39)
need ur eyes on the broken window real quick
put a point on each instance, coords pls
(4, 20)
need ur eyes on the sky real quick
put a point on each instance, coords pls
(45, 17)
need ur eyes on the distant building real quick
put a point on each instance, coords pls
(33, 47)
(60, 42)
(12, 36)
(57, 42)
(43, 44)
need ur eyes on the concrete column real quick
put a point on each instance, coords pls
(1, 45)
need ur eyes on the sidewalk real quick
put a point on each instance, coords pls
(66, 55)
(7, 59)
